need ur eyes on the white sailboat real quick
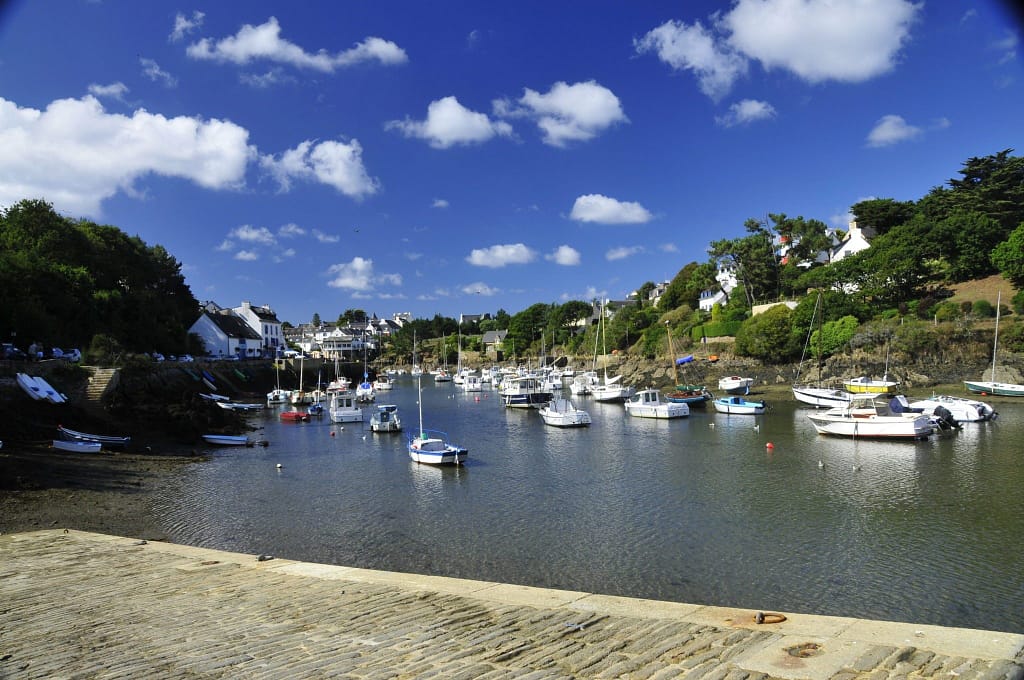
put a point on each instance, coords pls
(299, 396)
(432, 446)
(991, 386)
(610, 389)
(817, 395)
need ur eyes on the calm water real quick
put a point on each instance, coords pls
(695, 510)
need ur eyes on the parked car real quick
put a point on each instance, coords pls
(157, 356)
(186, 358)
(72, 355)
(12, 352)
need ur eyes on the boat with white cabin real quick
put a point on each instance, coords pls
(561, 412)
(736, 405)
(385, 419)
(869, 417)
(735, 384)
(962, 409)
(649, 404)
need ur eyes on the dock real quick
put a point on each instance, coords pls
(85, 605)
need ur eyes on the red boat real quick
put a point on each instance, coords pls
(294, 416)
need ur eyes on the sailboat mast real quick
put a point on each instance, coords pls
(675, 371)
(995, 340)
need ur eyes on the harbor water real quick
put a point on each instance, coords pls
(699, 510)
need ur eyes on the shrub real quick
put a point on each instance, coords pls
(983, 309)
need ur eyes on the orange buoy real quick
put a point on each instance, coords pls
(332, 433)
(769, 445)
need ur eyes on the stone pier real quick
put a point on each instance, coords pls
(81, 605)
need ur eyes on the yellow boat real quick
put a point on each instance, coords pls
(864, 385)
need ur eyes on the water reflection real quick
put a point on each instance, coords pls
(696, 510)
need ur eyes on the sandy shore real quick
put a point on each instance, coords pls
(112, 493)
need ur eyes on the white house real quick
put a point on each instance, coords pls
(856, 240)
(226, 335)
(726, 278)
(264, 321)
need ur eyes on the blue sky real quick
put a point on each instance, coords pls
(465, 157)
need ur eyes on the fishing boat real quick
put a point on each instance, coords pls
(525, 392)
(738, 406)
(343, 408)
(991, 386)
(226, 439)
(648, 404)
(385, 419)
(471, 382)
(77, 446)
(869, 417)
(107, 441)
(734, 384)
(432, 446)
(561, 412)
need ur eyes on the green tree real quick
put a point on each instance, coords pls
(316, 320)
(753, 259)
(833, 336)
(882, 214)
(1008, 257)
(644, 291)
(687, 285)
(769, 336)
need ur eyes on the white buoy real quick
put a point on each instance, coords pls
(279, 466)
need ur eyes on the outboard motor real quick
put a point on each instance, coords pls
(945, 418)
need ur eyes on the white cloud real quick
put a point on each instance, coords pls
(247, 255)
(817, 40)
(290, 230)
(567, 113)
(480, 288)
(623, 252)
(76, 155)
(184, 25)
(449, 123)
(501, 255)
(440, 203)
(274, 76)
(264, 43)
(564, 255)
(822, 40)
(604, 210)
(225, 245)
(282, 255)
(358, 275)
(695, 48)
(891, 129)
(115, 90)
(152, 70)
(325, 238)
(745, 112)
(668, 248)
(333, 163)
(253, 234)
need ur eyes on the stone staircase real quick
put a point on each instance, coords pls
(102, 380)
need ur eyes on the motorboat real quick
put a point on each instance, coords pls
(472, 383)
(561, 412)
(294, 416)
(870, 417)
(525, 392)
(734, 384)
(649, 404)
(584, 383)
(382, 383)
(28, 384)
(239, 406)
(738, 406)
(343, 408)
(821, 397)
(962, 410)
(385, 419)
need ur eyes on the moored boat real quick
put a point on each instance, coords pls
(865, 385)
(108, 441)
(737, 405)
(821, 397)
(343, 408)
(991, 386)
(870, 417)
(28, 384)
(734, 384)
(648, 404)
(294, 416)
(962, 410)
(77, 446)
(385, 419)
(525, 392)
(226, 439)
(432, 446)
(561, 412)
